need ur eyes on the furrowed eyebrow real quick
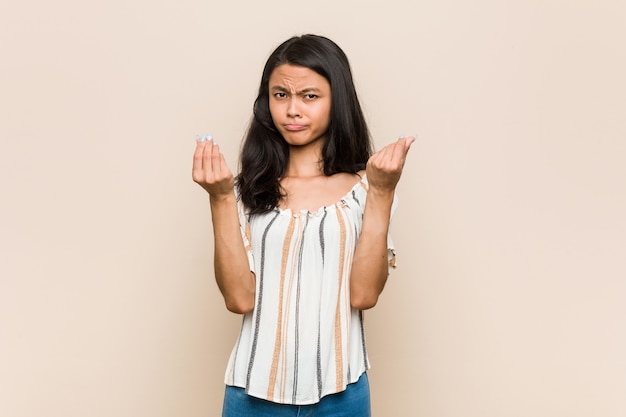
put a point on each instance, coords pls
(309, 90)
(300, 92)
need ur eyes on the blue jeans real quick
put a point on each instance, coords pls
(353, 402)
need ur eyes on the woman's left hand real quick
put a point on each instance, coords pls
(385, 166)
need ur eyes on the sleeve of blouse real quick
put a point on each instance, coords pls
(244, 227)
(391, 250)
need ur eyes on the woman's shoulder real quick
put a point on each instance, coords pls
(349, 180)
(357, 188)
(354, 184)
(362, 183)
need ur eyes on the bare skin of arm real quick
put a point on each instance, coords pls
(233, 276)
(370, 267)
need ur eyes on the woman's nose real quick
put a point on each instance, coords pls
(292, 108)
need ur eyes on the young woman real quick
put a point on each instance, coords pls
(301, 237)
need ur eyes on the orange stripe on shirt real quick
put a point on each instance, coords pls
(278, 338)
(338, 336)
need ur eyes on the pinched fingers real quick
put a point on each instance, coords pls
(210, 170)
(385, 166)
(392, 156)
(401, 148)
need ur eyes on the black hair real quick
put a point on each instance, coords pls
(265, 154)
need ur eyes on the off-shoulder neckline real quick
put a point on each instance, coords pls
(362, 182)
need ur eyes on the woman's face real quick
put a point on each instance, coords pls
(300, 101)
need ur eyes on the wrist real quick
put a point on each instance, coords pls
(219, 199)
(380, 193)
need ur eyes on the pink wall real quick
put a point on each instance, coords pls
(509, 295)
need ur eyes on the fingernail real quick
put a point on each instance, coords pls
(209, 136)
(401, 136)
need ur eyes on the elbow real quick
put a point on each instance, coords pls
(363, 301)
(239, 296)
(240, 305)
(364, 296)
(241, 302)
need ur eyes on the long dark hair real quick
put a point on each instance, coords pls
(264, 152)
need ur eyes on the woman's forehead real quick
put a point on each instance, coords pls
(297, 77)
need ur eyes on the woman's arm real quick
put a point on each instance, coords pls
(232, 272)
(370, 265)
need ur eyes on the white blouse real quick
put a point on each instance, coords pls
(303, 340)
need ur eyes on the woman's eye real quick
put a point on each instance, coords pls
(310, 96)
(280, 95)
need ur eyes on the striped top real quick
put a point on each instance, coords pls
(303, 340)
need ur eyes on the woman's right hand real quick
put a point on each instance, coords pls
(232, 272)
(210, 170)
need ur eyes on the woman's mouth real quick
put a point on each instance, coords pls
(294, 128)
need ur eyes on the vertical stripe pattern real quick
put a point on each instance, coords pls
(297, 324)
(279, 325)
(259, 302)
(303, 340)
(338, 333)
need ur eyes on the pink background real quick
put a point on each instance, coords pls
(509, 295)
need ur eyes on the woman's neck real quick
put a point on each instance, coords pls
(305, 162)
